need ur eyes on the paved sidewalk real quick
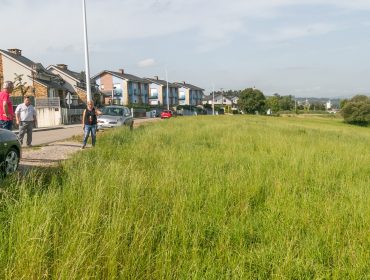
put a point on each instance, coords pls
(43, 136)
(47, 135)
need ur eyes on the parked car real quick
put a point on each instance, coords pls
(10, 152)
(115, 115)
(166, 114)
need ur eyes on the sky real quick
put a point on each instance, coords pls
(305, 48)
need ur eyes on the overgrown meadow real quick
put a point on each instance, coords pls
(206, 197)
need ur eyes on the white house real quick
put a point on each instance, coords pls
(219, 100)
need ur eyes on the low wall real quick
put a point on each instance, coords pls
(48, 117)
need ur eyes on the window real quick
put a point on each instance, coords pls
(51, 92)
(127, 112)
(181, 95)
(153, 93)
(117, 89)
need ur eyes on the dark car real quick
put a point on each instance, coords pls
(10, 152)
(115, 115)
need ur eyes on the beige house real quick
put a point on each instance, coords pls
(190, 94)
(35, 79)
(158, 92)
(122, 88)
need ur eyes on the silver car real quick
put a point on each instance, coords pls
(10, 152)
(115, 115)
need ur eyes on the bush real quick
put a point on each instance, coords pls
(357, 110)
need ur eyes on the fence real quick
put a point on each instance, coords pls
(49, 111)
(51, 102)
(71, 116)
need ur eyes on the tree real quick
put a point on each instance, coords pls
(280, 103)
(357, 110)
(273, 103)
(342, 103)
(286, 103)
(317, 106)
(251, 101)
(20, 85)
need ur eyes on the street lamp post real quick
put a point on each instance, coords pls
(88, 89)
(113, 88)
(222, 96)
(167, 96)
(213, 100)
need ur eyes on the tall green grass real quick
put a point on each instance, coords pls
(217, 197)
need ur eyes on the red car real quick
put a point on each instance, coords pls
(166, 114)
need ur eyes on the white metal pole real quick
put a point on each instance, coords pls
(168, 103)
(213, 100)
(88, 88)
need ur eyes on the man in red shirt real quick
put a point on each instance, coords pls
(6, 106)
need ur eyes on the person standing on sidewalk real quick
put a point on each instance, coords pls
(89, 123)
(25, 115)
(6, 106)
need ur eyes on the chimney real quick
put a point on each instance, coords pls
(15, 51)
(156, 77)
(62, 66)
(121, 71)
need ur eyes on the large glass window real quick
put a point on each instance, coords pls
(153, 93)
(181, 95)
(117, 89)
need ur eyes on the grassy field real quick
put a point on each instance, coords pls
(213, 197)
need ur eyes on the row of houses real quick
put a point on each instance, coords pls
(107, 87)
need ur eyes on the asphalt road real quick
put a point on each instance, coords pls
(43, 136)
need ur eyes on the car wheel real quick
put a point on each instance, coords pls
(11, 161)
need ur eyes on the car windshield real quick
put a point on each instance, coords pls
(112, 111)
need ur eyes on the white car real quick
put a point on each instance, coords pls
(115, 115)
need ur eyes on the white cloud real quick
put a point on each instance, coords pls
(146, 62)
(293, 32)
